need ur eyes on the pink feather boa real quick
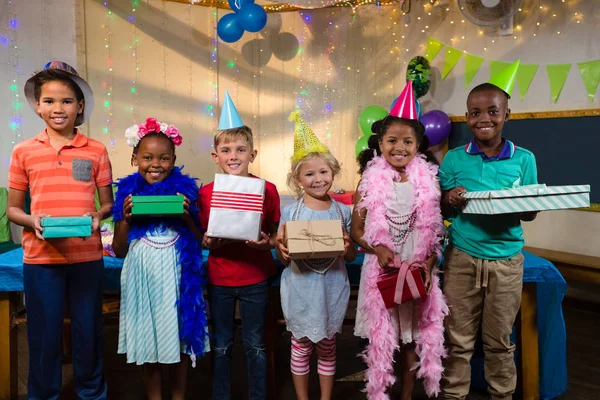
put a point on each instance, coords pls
(377, 191)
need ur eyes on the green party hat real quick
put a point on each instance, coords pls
(506, 78)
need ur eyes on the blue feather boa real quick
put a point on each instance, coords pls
(192, 307)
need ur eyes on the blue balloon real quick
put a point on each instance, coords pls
(237, 5)
(252, 17)
(418, 106)
(228, 28)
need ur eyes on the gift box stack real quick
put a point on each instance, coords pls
(527, 198)
(236, 207)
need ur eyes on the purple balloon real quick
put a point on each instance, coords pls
(437, 126)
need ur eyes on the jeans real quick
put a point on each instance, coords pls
(253, 306)
(47, 288)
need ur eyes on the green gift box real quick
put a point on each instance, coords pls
(157, 206)
(65, 227)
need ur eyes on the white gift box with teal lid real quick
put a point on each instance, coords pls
(527, 198)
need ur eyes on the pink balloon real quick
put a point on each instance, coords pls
(437, 126)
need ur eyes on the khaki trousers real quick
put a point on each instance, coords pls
(484, 293)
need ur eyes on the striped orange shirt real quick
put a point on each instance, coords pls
(62, 184)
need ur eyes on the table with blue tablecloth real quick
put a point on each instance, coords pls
(541, 317)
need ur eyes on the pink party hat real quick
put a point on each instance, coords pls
(405, 106)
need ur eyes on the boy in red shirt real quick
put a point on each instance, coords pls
(238, 271)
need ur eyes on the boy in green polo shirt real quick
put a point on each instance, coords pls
(483, 274)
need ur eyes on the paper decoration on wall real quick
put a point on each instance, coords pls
(472, 65)
(557, 74)
(452, 57)
(524, 77)
(433, 48)
(590, 73)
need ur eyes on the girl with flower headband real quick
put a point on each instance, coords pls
(397, 219)
(314, 293)
(163, 313)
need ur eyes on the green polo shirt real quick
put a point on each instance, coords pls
(490, 237)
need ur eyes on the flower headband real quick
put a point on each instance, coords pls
(135, 133)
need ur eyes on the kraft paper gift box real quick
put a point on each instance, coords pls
(236, 207)
(311, 239)
(527, 198)
(65, 227)
(154, 206)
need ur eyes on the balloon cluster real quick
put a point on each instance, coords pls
(437, 123)
(248, 16)
(369, 115)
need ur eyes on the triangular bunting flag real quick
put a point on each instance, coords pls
(525, 75)
(433, 48)
(452, 57)
(590, 73)
(557, 74)
(472, 64)
(497, 66)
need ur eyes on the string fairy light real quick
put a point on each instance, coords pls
(15, 123)
(214, 72)
(107, 84)
(190, 98)
(163, 94)
(46, 28)
(133, 48)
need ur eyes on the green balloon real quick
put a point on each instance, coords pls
(369, 115)
(361, 144)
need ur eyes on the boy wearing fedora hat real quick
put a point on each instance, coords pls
(62, 169)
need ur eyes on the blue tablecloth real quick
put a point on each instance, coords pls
(551, 288)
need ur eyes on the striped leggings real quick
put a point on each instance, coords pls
(301, 351)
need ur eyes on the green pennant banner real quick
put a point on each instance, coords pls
(433, 48)
(472, 65)
(497, 66)
(452, 57)
(590, 73)
(557, 75)
(524, 77)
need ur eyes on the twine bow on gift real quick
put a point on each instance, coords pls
(405, 277)
(326, 240)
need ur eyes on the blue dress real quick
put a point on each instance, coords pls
(149, 317)
(314, 304)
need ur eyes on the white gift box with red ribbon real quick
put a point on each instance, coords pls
(236, 207)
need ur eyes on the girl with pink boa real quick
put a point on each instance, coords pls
(397, 216)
